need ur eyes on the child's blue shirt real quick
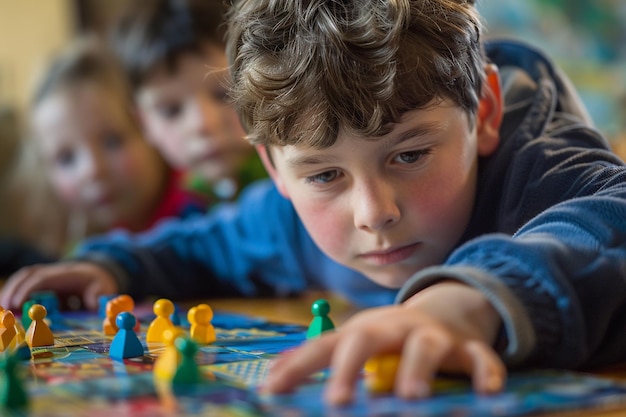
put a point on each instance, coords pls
(546, 243)
(254, 247)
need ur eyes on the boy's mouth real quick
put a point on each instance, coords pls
(391, 255)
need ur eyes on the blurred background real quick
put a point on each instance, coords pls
(588, 40)
(586, 37)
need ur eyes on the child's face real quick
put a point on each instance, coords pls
(186, 116)
(391, 206)
(96, 159)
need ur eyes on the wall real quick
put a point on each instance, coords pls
(587, 38)
(30, 30)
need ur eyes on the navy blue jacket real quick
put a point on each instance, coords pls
(547, 241)
(546, 244)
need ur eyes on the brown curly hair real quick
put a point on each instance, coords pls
(302, 69)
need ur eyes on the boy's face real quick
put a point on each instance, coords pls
(391, 206)
(186, 116)
(95, 158)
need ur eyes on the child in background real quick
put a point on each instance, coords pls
(173, 53)
(14, 252)
(90, 147)
(469, 179)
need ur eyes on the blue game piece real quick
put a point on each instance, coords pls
(175, 316)
(125, 344)
(22, 352)
(102, 304)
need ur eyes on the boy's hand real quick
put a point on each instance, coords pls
(85, 279)
(447, 327)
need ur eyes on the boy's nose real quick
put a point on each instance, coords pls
(374, 205)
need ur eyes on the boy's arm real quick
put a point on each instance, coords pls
(448, 326)
(234, 249)
(559, 283)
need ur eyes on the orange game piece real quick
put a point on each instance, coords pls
(7, 330)
(163, 308)
(380, 373)
(167, 363)
(115, 306)
(202, 331)
(38, 333)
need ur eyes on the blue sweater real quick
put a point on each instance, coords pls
(546, 243)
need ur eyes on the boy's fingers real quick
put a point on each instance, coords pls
(35, 280)
(297, 365)
(94, 290)
(17, 289)
(60, 278)
(488, 371)
(422, 355)
(351, 352)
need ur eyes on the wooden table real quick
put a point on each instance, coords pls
(298, 310)
(287, 310)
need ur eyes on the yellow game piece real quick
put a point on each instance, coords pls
(38, 333)
(20, 333)
(166, 364)
(163, 308)
(7, 330)
(202, 331)
(380, 373)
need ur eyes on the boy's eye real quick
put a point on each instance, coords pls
(170, 111)
(323, 178)
(412, 156)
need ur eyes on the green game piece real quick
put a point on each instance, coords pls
(188, 371)
(13, 396)
(25, 318)
(321, 322)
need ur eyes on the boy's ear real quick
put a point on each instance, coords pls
(268, 163)
(490, 111)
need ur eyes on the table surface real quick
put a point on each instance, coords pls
(298, 310)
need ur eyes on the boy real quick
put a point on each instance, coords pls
(173, 53)
(493, 206)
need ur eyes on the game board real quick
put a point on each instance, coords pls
(77, 378)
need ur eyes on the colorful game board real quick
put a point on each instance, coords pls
(77, 378)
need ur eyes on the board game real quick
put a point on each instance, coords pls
(76, 377)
